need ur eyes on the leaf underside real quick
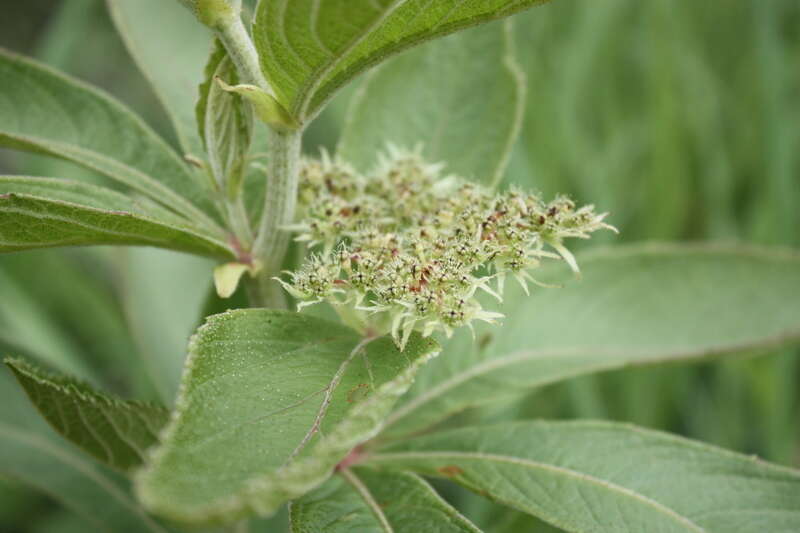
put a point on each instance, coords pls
(33, 454)
(609, 478)
(269, 403)
(634, 305)
(47, 112)
(376, 502)
(114, 431)
(461, 98)
(45, 212)
(153, 30)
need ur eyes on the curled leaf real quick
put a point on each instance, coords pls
(265, 105)
(228, 275)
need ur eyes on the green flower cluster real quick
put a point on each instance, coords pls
(407, 248)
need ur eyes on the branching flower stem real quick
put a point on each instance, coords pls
(271, 241)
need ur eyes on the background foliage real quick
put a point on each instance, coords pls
(682, 118)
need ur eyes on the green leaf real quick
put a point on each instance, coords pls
(461, 97)
(606, 477)
(218, 55)
(75, 316)
(269, 403)
(363, 500)
(162, 295)
(115, 431)
(42, 212)
(310, 49)
(634, 305)
(47, 112)
(224, 124)
(25, 327)
(154, 30)
(227, 128)
(265, 106)
(33, 454)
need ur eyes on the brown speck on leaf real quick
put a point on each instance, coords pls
(359, 392)
(450, 470)
(484, 340)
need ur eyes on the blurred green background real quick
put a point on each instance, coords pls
(681, 118)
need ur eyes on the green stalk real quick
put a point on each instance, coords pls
(283, 161)
(271, 241)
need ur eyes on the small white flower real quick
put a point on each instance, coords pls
(407, 248)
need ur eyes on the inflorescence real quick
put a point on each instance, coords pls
(407, 248)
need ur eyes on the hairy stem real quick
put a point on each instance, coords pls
(242, 51)
(271, 241)
(283, 161)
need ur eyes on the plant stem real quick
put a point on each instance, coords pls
(242, 51)
(271, 241)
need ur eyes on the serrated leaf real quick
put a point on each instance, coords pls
(153, 30)
(461, 98)
(635, 305)
(609, 478)
(47, 112)
(75, 316)
(310, 49)
(43, 212)
(112, 430)
(269, 403)
(33, 454)
(367, 501)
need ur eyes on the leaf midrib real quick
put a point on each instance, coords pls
(368, 498)
(536, 465)
(319, 74)
(211, 241)
(174, 201)
(657, 357)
